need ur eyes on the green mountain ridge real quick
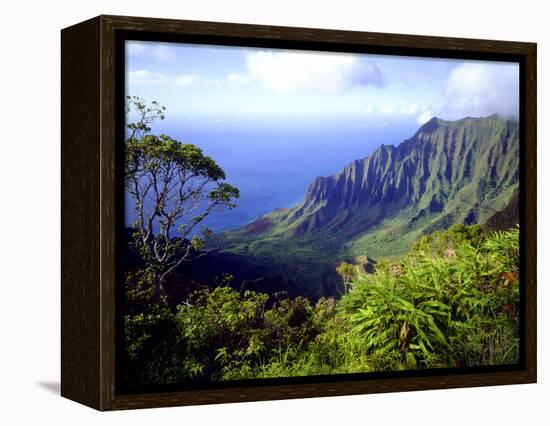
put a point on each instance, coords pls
(463, 171)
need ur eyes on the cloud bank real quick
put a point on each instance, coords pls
(145, 77)
(292, 72)
(157, 51)
(481, 89)
(451, 90)
(281, 73)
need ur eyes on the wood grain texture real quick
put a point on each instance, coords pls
(89, 216)
(529, 206)
(123, 402)
(318, 38)
(80, 214)
(108, 176)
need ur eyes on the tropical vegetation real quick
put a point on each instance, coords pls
(452, 299)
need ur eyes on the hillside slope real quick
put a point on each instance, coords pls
(449, 172)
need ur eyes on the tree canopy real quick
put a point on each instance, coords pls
(174, 187)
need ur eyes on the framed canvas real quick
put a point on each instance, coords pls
(254, 212)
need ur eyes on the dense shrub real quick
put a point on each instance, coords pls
(452, 302)
(451, 305)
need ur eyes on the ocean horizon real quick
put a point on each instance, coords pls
(273, 161)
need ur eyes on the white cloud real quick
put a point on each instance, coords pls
(391, 109)
(256, 110)
(369, 109)
(236, 80)
(425, 116)
(150, 78)
(481, 89)
(413, 109)
(186, 80)
(214, 82)
(151, 50)
(135, 49)
(139, 74)
(291, 72)
(145, 77)
(163, 53)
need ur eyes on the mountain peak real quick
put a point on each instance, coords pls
(435, 122)
(442, 154)
(432, 124)
(428, 181)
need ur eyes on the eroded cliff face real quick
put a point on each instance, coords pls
(461, 171)
(449, 172)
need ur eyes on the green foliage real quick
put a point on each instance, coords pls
(435, 308)
(170, 182)
(221, 330)
(444, 242)
(347, 272)
(452, 301)
(145, 115)
(231, 336)
(151, 153)
(150, 334)
(443, 309)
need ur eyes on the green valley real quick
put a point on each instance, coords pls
(449, 172)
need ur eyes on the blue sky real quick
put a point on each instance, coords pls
(234, 83)
(276, 119)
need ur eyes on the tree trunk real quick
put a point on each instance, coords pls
(160, 292)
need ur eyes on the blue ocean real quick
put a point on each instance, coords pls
(273, 161)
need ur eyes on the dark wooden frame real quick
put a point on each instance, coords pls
(88, 204)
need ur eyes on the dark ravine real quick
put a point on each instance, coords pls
(207, 270)
(506, 218)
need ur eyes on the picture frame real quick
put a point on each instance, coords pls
(92, 120)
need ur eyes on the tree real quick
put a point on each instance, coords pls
(347, 272)
(174, 187)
